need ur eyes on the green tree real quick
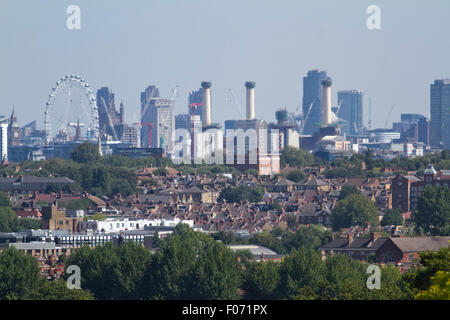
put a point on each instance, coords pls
(296, 157)
(261, 280)
(99, 267)
(8, 220)
(216, 275)
(347, 190)
(252, 172)
(292, 221)
(430, 263)
(95, 216)
(85, 153)
(439, 289)
(312, 236)
(295, 175)
(110, 272)
(392, 217)
(432, 215)
(19, 274)
(354, 210)
(28, 224)
(346, 279)
(4, 200)
(302, 275)
(392, 286)
(232, 194)
(57, 290)
(191, 265)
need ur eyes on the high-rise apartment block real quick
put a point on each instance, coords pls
(350, 106)
(440, 114)
(312, 101)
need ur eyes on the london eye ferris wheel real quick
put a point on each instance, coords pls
(71, 111)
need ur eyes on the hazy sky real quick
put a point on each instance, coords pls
(129, 45)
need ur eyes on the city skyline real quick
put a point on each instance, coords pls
(241, 42)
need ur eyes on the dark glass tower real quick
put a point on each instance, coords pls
(440, 114)
(350, 104)
(312, 100)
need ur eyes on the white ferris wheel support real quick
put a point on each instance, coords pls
(51, 99)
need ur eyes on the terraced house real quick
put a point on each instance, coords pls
(32, 183)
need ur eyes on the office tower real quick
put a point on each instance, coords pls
(109, 117)
(424, 131)
(3, 139)
(13, 130)
(312, 101)
(130, 136)
(195, 103)
(183, 121)
(158, 124)
(350, 109)
(411, 117)
(440, 114)
(149, 93)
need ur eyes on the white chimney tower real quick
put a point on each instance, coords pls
(206, 103)
(326, 102)
(250, 101)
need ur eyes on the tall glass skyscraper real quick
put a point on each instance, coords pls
(440, 114)
(312, 100)
(350, 104)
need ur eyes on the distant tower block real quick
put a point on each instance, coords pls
(250, 101)
(326, 102)
(206, 112)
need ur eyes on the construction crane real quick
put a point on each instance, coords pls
(193, 105)
(307, 115)
(370, 114)
(389, 116)
(174, 93)
(234, 100)
(338, 109)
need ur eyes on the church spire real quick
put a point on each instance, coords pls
(99, 146)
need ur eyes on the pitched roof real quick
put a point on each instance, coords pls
(35, 179)
(417, 244)
(99, 202)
